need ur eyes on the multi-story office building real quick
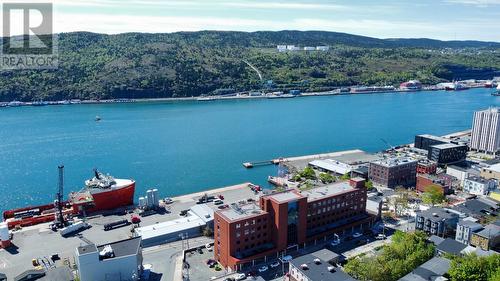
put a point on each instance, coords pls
(245, 232)
(393, 172)
(447, 153)
(486, 131)
(426, 141)
(465, 228)
(457, 172)
(478, 185)
(436, 221)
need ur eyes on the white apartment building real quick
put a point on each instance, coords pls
(486, 131)
(478, 186)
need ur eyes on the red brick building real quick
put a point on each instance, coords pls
(246, 232)
(444, 182)
(426, 167)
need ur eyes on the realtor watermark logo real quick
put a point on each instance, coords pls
(28, 41)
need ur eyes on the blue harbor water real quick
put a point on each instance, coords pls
(184, 147)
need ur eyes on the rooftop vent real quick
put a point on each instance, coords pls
(317, 261)
(106, 252)
(435, 215)
(331, 269)
(304, 266)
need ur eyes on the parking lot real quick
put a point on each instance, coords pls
(199, 270)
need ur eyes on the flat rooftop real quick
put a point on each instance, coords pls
(437, 214)
(356, 158)
(494, 168)
(395, 161)
(433, 137)
(286, 196)
(241, 211)
(124, 247)
(327, 190)
(447, 145)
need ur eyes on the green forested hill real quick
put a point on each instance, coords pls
(139, 65)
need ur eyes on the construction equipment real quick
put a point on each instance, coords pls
(60, 221)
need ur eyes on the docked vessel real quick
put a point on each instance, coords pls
(207, 98)
(497, 93)
(456, 86)
(412, 85)
(101, 193)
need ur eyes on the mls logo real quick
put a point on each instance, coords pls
(28, 41)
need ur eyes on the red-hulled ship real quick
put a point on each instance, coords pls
(101, 193)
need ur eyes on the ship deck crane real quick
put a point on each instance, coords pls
(60, 221)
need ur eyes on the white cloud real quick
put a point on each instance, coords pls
(477, 3)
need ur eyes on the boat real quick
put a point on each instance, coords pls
(39, 103)
(456, 86)
(15, 103)
(101, 193)
(206, 98)
(412, 85)
(497, 93)
(489, 84)
(98, 118)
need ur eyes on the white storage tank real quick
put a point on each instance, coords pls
(149, 196)
(156, 199)
(4, 234)
(142, 202)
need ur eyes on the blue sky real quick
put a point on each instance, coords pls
(440, 19)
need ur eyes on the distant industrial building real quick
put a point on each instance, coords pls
(393, 172)
(447, 153)
(478, 185)
(246, 232)
(486, 131)
(436, 221)
(121, 260)
(196, 220)
(345, 163)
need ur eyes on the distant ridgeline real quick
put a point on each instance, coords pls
(183, 64)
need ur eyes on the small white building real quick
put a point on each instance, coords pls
(465, 228)
(322, 48)
(332, 166)
(459, 173)
(281, 48)
(478, 186)
(309, 49)
(117, 261)
(197, 219)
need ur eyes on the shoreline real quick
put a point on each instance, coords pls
(217, 98)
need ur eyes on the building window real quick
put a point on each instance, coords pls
(238, 225)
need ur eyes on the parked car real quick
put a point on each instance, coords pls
(168, 200)
(221, 207)
(381, 236)
(357, 234)
(263, 268)
(229, 279)
(218, 202)
(286, 258)
(200, 251)
(208, 247)
(241, 276)
(275, 264)
(221, 197)
(335, 242)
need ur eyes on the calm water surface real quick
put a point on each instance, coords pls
(183, 147)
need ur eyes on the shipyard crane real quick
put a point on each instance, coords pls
(58, 204)
(388, 144)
